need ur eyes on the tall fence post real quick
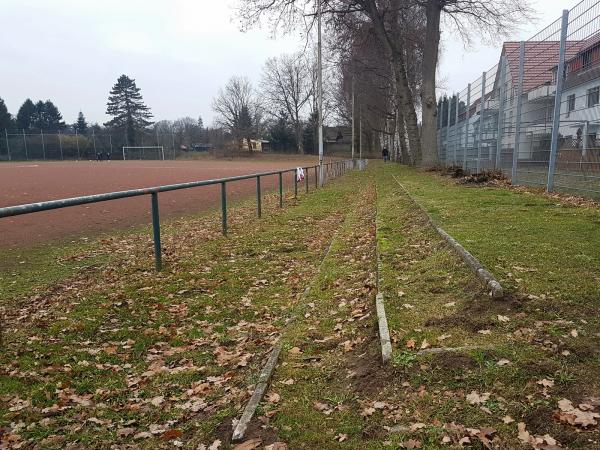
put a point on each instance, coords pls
(280, 189)
(258, 198)
(94, 140)
(77, 143)
(560, 75)
(502, 93)
(173, 143)
(448, 131)
(456, 131)
(224, 208)
(7, 144)
(25, 145)
(43, 145)
(316, 179)
(515, 159)
(156, 231)
(481, 116)
(62, 156)
(110, 143)
(467, 127)
(585, 138)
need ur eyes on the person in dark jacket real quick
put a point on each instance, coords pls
(386, 154)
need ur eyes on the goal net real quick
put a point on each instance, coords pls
(144, 152)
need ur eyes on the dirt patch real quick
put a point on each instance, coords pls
(452, 362)
(369, 375)
(540, 421)
(258, 428)
(495, 177)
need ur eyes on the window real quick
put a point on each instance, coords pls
(593, 96)
(570, 102)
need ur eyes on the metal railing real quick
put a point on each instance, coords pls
(536, 114)
(330, 170)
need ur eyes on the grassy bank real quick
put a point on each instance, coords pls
(108, 352)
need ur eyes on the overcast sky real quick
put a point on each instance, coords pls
(179, 52)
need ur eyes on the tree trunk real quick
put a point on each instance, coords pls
(433, 11)
(404, 156)
(392, 41)
(406, 106)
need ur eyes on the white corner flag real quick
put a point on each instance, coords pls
(299, 174)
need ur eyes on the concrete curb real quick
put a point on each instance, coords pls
(491, 283)
(267, 371)
(257, 395)
(384, 332)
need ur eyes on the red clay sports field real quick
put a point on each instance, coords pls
(28, 182)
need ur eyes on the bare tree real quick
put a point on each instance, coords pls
(287, 88)
(236, 106)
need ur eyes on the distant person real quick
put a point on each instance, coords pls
(98, 156)
(386, 154)
(108, 156)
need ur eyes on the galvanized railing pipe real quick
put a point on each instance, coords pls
(30, 208)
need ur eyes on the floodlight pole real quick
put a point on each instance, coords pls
(360, 132)
(320, 92)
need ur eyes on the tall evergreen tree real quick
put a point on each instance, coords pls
(244, 125)
(53, 118)
(47, 117)
(127, 107)
(6, 120)
(26, 115)
(81, 125)
(282, 135)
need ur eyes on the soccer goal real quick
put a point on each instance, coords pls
(144, 152)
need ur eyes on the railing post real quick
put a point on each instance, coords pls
(7, 144)
(224, 208)
(481, 116)
(296, 183)
(316, 178)
(306, 179)
(258, 198)
(500, 124)
(560, 75)
(467, 126)
(515, 158)
(280, 189)
(156, 231)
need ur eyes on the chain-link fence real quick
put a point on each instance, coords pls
(536, 114)
(41, 145)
